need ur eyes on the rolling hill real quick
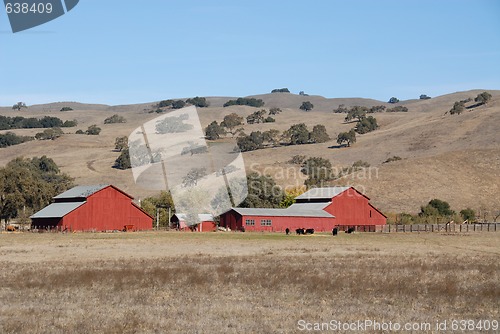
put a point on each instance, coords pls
(451, 157)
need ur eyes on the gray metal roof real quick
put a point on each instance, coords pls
(81, 191)
(57, 210)
(322, 193)
(282, 212)
(308, 206)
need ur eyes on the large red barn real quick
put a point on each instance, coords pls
(321, 209)
(92, 208)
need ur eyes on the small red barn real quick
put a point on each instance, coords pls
(321, 209)
(93, 208)
(206, 223)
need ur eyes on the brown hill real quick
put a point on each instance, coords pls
(451, 157)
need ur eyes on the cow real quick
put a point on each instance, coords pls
(335, 231)
(350, 230)
(300, 231)
(287, 231)
(310, 231)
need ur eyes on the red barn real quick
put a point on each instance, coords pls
(206, 223)
(92, 208)
(321, 209)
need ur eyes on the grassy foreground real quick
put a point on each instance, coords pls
(242, 283)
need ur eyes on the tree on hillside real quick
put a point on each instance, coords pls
(257, 117)
(123, 160)
(393, 100)
(252, 142)
(232, 123)
(398, 109)
(214, 131)
(19, 105)
(347, 137)
(280, 90)
(245, 101)
(306, 106)
(66, 109)
(115, 119)
(483, 98)
(468, 214)
(297, 134)
(199, 102)
(366, 125)
(271, 137)
(376, 109)
(93, 130)
(424, 97)
(178, 104)
(357, 113)
(319, 134)
(263, 192)
(274, 111)
(164, 104)
(341, 109)
(121, 143)
(458, 108)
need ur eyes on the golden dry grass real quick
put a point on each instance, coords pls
(455, 158)
(241, 283)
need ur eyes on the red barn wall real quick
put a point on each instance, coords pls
(235, 221)
(353, 209)
(107, 210)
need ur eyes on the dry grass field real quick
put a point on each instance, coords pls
(167, 282)
(455, 158)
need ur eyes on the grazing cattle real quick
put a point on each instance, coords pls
(350, 230)
(11, 228)
(287, 231)
(300, 231)
(335, 231)
(310, 231)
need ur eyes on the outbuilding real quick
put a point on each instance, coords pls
(321, 209)
(205, 223)
(93, 208)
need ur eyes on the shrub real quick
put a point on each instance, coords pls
(66, 109)
(269, 119)
(244, 101)
(49, 134)
(93, 130)
(297, 159)
(394, 158)
(424, 97)
(79, 132)
(178, 104)
(115, 119)
(280, 90)
(123, 160)
(199, 102)
(393, 100)
(70, 124)
(398, 109)
(366, 125)
(10, 139)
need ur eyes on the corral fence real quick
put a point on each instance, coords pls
(452, 228)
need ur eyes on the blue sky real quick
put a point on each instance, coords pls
(121, 52)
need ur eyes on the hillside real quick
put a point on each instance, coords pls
(451, 157)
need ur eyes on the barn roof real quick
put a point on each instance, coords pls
(322, 193)
(308, 206)
(283, 212)
(81, 191)
(57, 210)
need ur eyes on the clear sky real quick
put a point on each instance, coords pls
(121, 52)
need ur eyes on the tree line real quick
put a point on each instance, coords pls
(19, 122)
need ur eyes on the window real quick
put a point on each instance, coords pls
(370, 213)
(250, 222)
(266, 222)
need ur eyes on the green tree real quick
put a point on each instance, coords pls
(49, 134)
(93, 130)
(347, 137)
(161, 204)
(164, 104)
(10, 139)
(483, 98)
(274, 111)
(317, 168)
(252, 142)
(214, 131)
(319, 134)
(199, 102)
(458, 108)
(263, 192)
(123, 160)
(280, 90)
(424, 97)
(66, 109)
(232, 123)
(178, 104)
(436, 207)
(19, 105)
(366, 125)
(298, 134)
(398, 109)
(393, 100)
(468, 214)
(245, 101)
(306, 106)
(121, 143)
(356, 112)
(115, 119)
(70, 124)
(271, 137)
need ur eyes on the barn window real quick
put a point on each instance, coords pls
(250, 222)
(266, 222)
(370, 213)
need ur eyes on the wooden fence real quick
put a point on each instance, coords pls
(453, 228)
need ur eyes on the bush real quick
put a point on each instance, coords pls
(79, 132)
(297, 134)
(214, 131)
(436, 207)
(66, 109)
(164, 104)
(10, 139)
(199, 102)
(269, 119)
(115, 119)
(319, 134)
(394, 158)
(274, 111)
(179, 104)
(93, 130)
(306, 106)
(393, 100)
(424, 97)
(366, 125)
(280, 90)
(252, 142)
(70, 124)
(483, 98)
(458, 108)
(49, 134)
(468, 214)
(297, 159)
(244, 101)
(398, 109)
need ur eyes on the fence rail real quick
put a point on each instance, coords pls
(454, 228)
